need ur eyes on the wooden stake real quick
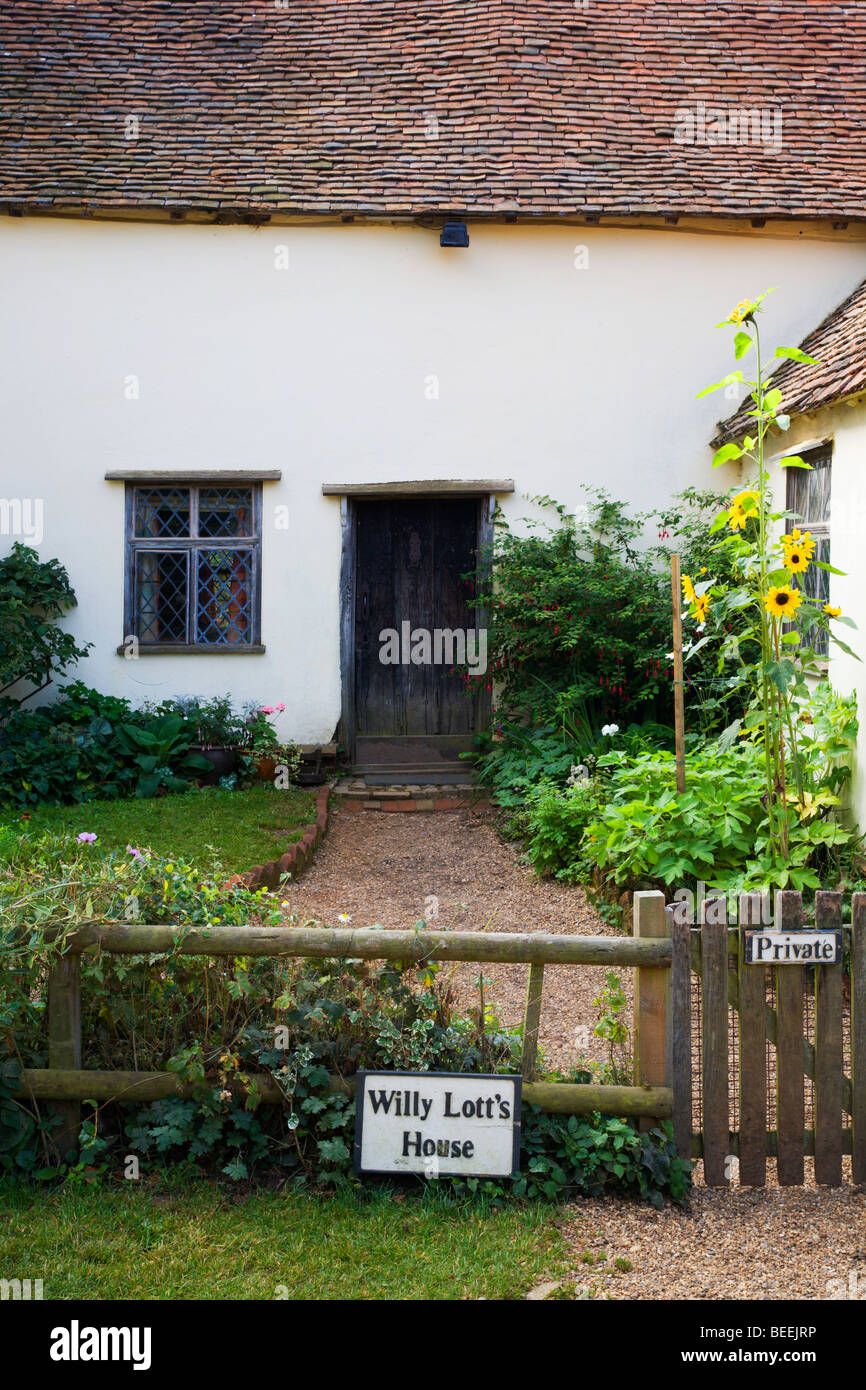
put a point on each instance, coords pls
(679, 714)
(532, 1019)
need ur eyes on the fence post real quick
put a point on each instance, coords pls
(651, 1000)
(64, 1044)
(532, 1020)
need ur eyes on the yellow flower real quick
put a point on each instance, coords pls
(742, 507)
(702, 570)
(701, 607)
(795, 560)
(743, 311)
(797, 540)
(688, 589)
(783, 602)
(831, 611)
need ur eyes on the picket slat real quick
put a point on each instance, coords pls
(790, 1100)
(858, 1038)
(714, 1035)
(828, 1050)
(753, 1059)
(681, 1030)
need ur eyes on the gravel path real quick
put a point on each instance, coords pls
(389, 869)
(739, 1243)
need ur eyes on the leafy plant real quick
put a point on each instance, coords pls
(215, 722)
(34, 593)
(718, 829)
(162, 753)
(564, 1155)
(577, 617)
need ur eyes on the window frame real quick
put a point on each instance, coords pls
(819, 530)
(191, 546)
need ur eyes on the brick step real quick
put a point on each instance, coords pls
(354, 795)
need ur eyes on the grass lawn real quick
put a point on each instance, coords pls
(199, 1243)
(245, 827)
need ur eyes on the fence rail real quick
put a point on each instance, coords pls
(65, 1084)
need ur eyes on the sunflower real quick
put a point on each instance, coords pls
(795, 560)
(797, 540)
(742, 507)
(688, 589)
(701, 607)
(783, 602)
(743, 312)
(831, 611)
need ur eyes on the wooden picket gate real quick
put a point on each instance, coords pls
(769, 1040)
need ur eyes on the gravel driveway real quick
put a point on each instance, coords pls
(741, 1243)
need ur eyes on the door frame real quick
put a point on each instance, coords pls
(483, 492)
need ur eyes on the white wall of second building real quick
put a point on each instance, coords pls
(556, 356)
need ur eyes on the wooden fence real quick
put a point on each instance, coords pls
(769, 1052)
(64, 1084)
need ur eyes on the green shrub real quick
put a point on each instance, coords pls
(88, 745)
(578, 617)
(557, 818)
(34, 593)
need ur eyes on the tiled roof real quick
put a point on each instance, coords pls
(839, 344)
(537, 107)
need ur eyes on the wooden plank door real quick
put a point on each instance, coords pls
(411, 559)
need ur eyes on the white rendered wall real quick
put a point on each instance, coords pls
(375, 356)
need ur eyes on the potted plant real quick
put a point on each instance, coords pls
(263, 750)
(219, 733)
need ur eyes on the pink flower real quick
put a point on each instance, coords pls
(266, 709)
(136, 853)
(278, 709)
(86, 838)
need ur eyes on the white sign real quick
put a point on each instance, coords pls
(437, 1124)
(793, 947)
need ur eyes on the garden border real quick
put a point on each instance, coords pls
(296, 857)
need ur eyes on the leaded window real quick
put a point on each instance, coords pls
(193, 559)
(808, 496)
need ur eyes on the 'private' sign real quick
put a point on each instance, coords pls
(437, 1124)
(793, 947)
